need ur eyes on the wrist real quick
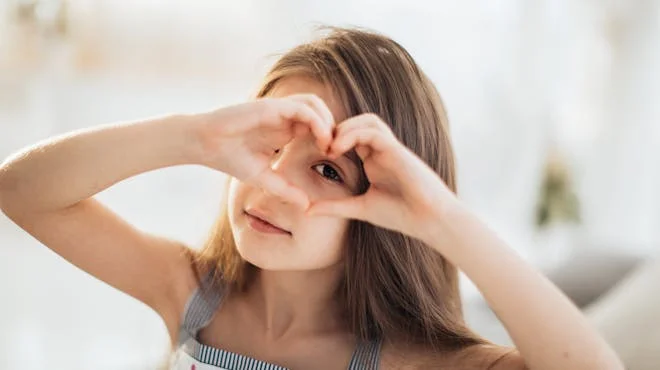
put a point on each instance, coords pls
(188, 131)
(444, 215)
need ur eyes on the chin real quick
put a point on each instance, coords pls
(264, 253)
(273, 256)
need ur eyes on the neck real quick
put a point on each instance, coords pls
(293, 303)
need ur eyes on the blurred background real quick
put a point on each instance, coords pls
(553, 109)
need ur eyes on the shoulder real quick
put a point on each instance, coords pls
(501, 358)
(476, 357)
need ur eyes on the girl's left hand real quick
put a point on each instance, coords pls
(405, 194)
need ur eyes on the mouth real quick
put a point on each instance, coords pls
(259, 222)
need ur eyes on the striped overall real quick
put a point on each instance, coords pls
(193, 355)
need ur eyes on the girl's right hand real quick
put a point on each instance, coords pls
(241, 140)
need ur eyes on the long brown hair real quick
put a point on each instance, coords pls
(394, 286)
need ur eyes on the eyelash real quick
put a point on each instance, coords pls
(339, 179)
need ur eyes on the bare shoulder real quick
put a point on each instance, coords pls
(476, 357)
(494, 357)
(510, 359)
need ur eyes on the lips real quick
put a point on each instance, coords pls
(266, 220)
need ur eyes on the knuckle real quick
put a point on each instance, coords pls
(313, 98)
(379, 123)
(269, 108)
(371, 120)
(305, 98)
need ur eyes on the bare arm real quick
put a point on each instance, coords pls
(47, 189)
(548, 330)
(61, 171)
(408, 196)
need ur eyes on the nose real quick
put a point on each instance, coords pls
(285, 164)
(280, 161)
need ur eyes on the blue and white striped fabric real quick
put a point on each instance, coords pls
(192, 355)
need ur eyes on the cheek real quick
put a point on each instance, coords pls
(324, 239)
(320, 191)
(235, 196)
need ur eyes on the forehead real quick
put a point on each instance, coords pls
(306, 85)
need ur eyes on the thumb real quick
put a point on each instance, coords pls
(352, 208)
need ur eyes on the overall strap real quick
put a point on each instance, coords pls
(200, 308)
(366, 356)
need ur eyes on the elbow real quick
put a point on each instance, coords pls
(609, 362)
(607, 359)
(7, 188)
(3, 188)
(612, 364)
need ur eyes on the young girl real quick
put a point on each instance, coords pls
(341, 237)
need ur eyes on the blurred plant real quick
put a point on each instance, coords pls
(557, 202)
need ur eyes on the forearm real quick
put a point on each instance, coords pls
(63, 170)
(548, 330)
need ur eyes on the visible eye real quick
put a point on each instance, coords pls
(328, 172)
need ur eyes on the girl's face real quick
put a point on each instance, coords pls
(304, 242)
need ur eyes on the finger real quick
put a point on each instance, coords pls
(319, 105)
(351, 208)
(362, 151)
(296, 111)
(300, 130)
(361, 121)
(372, 138)
(276, 184)
(292, 111)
